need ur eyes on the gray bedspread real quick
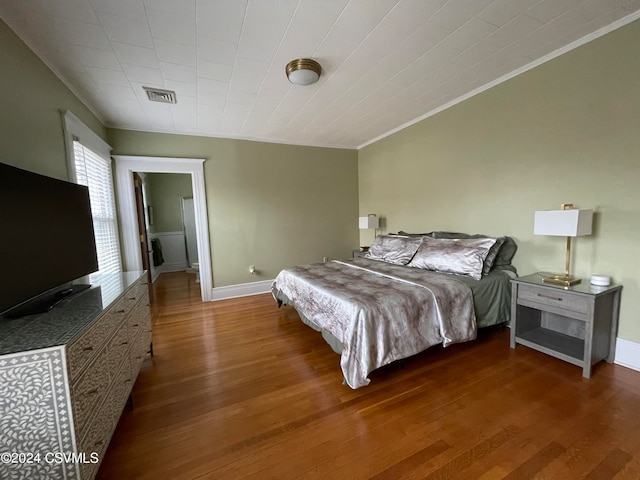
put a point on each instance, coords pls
(379, 312)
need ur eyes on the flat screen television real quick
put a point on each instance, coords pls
(46, 240)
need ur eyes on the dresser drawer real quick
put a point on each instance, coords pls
(554, 298)
(81, 352)
(140, 318)
(90, 390)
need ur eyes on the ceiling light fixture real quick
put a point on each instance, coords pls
(303, 71)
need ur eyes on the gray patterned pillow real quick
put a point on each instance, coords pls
(459, 256)
(393, 249)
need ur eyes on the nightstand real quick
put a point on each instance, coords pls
(577, 324)
(358, 253)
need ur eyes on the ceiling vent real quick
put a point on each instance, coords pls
(159, 95)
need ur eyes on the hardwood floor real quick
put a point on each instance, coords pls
(240, 389)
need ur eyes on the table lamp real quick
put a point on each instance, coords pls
(368, 222)
(566, 222)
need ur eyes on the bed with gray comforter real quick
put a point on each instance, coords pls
(373, 312)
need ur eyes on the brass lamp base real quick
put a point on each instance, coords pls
(564, 280)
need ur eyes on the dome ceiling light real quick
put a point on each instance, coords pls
(303, 71)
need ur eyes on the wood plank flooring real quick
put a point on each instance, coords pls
(239, 389)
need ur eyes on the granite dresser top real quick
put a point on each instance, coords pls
(67, 318)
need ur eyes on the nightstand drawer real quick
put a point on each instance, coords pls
(554, 298)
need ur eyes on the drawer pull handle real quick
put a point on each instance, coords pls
(92, 392)
(87, 349)
(135, 325)
(98, 443)
(122, 310)
(550, 297)
(124, 343)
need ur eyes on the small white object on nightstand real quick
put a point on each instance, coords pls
(600, 280)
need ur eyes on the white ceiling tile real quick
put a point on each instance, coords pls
(125, 8)
(134, 55)
(177, 53)
(240, 98)
(180, 7)
(501, 12)
(221, 20)
(458, 12)
(182, 88)
(211, 99)
(128, 30)
(547, 10)
(149, 76)
(501, 38)
(109, 77)
(385, 62)
(215, 51)
(245, 84)
(185, 101)
(215, 71)
(180, 73)
(208, 85)
(83, 34)
(469, 34)
(76, 10)
(185, 119)
(118, 92)
(172, 27)
(161, 115)
(209, 118)
(245, 67)
(93, 57)
(309, 25)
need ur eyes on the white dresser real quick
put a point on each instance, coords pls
(66, 375)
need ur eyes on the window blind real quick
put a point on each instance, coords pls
(94, 171)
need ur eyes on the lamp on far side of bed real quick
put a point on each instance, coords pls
(368, 222)
(566, 222)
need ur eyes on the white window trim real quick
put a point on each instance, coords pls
(126, 165)
(74, 129)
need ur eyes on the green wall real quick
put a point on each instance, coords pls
(269, 205)
(567, 131)
(31, 135)
(164, 192)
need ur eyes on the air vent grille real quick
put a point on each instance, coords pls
(160, 95)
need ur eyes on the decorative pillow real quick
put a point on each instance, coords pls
(459, 256)
(503, 253)
(393, 249)
(430, 234)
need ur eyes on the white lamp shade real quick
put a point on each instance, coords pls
(563, 223)
(368, 222)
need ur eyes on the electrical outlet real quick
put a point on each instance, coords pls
(325, 259)
(252, 269)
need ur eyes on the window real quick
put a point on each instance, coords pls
(94, 172)
(90, 164)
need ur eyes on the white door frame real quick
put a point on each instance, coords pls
(125, 166)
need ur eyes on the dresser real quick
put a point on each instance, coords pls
(66, 375)
(577, 324)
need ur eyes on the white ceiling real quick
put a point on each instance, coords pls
(385, 63)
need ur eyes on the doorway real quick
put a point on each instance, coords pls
(126, 165)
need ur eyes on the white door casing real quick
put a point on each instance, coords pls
(125, 166)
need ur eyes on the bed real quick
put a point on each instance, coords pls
(409, 293)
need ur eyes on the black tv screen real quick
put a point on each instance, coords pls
(46, 235)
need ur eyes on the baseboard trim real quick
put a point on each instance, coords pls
(172, 267)
(242, 290)
(627, 354)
